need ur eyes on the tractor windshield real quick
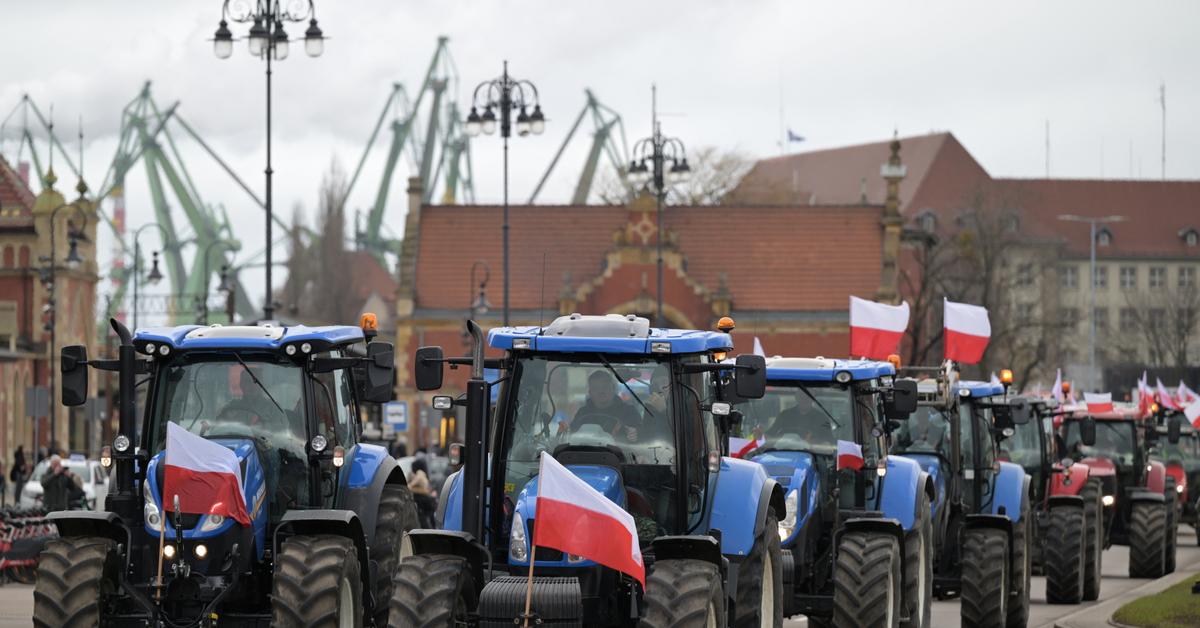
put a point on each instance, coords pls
(802, 417)
(1114, 441)
(1172, 452)
(926, 431)
(1024, 447)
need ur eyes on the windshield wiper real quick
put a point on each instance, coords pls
(821, 406)
(260, 385)
(612, 370)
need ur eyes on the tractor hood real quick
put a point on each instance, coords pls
(1100, 467)
(787, 467)
(197, 525)
(932, 464)
(606, 480)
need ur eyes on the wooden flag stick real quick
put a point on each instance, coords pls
(162, 535)
(529, 587)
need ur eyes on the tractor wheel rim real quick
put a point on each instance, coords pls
(767, 612)
(711, 620)
(346, 608)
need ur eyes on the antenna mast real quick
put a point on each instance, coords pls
(1162, 100)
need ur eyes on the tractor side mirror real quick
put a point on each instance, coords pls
(1022, 414)
(427, 368)
(1002, 418)
(73, 364)
(381, 365)
(1151, 434)
(1087, 431)
(750, 381)
(903, 400)
(1173, 430)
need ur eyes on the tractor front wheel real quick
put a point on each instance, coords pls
(1147, 540)
(73, 576)
(318, 583)
(397, 515)
(918, 567)
(1064, 555)
(1172, 504)
(1093, 520)
(760, 578)
(432, 591)
(867, 584)
(682, 593)
(985, 578)
(1018, 607)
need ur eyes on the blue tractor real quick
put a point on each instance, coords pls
(326, 512)
(981, 513)
(640, 414)
(857, 547)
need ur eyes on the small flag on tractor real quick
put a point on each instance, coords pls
(1192, 412)
(1057, 393)
(849, 455)
(742, 447)
(876, 328)
(967, 332)
(1098, 402)
(205, 476)
(1164, 397)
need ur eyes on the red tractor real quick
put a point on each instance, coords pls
(1139, 498)
(1067, 502)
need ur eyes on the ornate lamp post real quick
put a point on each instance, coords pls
(503, 96)
(48, 276)
(153, 277)
(268, 41)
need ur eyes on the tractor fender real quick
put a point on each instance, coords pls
(1055, 501)
(334, 522)
(875, 525)
(77, 523)
(691, 547)
(452, 542)
(742, 488)
(1012, 484)
(369, 468)
(1156, 476)
(1071, 482)
(1146, 495)
(449, 513)
(998, 522)
(900, 488)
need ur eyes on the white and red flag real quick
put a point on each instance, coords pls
(206, 476)
(849, 455)
(1057, 393)
(1098, 402)
(577, 519)
(758, 348)
(967, 332)
(1192, 412)
(1164, 397)
(741, 447)
(876, 328)
(1184, 394)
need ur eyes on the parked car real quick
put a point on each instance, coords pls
(95, 482)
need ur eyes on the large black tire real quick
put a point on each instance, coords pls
(317, 583)
(684, 594)
(867, 583)
(918, 567)
(397, 515)
(1018, 601)
(1063, 555)
(760, 581)
(1093, 557)
(985, 578)
(1147, 540)
(73, 576)
(432, 591)
(1172, 530)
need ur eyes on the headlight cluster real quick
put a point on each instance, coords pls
(518, 546)
(150, 510)
(1108, 500)
(791, 505)
(211, 522)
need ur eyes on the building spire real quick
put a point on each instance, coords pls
(893, 172)
(81, 187)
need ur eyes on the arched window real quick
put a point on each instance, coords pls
(1103, 237)
(1190, 236)
(927, 221)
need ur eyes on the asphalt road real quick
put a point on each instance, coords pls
(1116, 580)
(16, 601)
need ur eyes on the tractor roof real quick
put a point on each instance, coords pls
(824, 369)
(975, 389)
(612, 333)
(187, 337)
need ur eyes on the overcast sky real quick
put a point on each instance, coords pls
(844, 73)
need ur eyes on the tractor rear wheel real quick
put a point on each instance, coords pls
(682, 593)
(1172, 504)
(317, 583)
(432, 591)
(73, 576)
(867, 585)
(1147, 540)
(1064, 555)
(397, 515)
(759, 582)
(1018, 607)
(1093, 556)
(918, 567)
(985, 578)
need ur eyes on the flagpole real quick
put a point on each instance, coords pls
(532, 552)
(162, 535)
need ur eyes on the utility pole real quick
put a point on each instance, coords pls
(1162, 100)
(1047, 148)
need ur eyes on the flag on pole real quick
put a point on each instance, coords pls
(967, 332)
(1057, 393)
(794, 137)
(1164, 397)
(1098, 402)
(741, 447)
(205, 475)
(876, 328)
(849, 455)
(1184, 394)
(1192, 412)
(758, 348)
(995, 381)
(577, 519)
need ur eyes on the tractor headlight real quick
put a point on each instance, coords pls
(212, 522)
(518, 547)
(121, 443)
(168, 551)
(1178, 488)
(791, 505)
(1108, 500)
(153, 517)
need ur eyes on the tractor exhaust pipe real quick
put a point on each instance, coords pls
(125, 502)
(476, 455)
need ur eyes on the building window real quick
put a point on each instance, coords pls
(1025, 313)
(1024, 275)
(1190, 236)
(1128, 277)
(1100, 279)
(1187, 276)
(1158, 319)
(927, 221)
(1158, 276)
(1100, 317)
(1068, 277)
(1103, 237)
(1128, 319)
(1070, 318)
(1012, 223)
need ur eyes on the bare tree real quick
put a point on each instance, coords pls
(714, 173)
(1162, 323)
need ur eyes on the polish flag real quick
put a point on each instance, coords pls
(876, 328)
(1185, 394)
(575, 518)
(206, 476)
(758, 348)
(1097, 402)
(1164, 397)
(1192, 412)
(967, 332)
(849, 455)
(1057, 393)
(741, 447)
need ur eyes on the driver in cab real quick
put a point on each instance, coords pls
(605, 409)
(803, 418)
(254, 407)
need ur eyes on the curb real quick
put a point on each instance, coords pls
(1101, 612)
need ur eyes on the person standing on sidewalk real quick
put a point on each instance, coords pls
(20, 470)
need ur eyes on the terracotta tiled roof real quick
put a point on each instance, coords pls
(1156, 212)
(774, 258)
(16, 199)
(370, 276)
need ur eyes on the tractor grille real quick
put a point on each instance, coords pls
(544, 553)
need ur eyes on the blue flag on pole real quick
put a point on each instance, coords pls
(792, 137)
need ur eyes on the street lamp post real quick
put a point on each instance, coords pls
(657, 150)
(203, 298)
(267, 40)
(48, 276)
(226, 288)
(153, 277)
(1092, 221)
(480, 304)
(506, 95)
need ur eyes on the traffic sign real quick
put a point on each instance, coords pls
(395, 413)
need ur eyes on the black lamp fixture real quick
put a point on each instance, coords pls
(154, 276)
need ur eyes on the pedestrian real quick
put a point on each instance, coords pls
(20, 470)
(58, 486)
(423, 496)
